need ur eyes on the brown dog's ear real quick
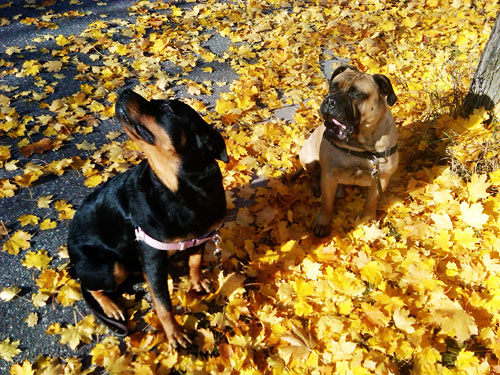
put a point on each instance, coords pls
(385, 87)
(341, 69)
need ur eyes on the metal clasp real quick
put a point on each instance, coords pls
(375, 172)
(218, 250)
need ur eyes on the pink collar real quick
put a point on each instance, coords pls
(140, 235)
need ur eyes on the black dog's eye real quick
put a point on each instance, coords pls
(356, 94)
(144, 133)
(165, 106)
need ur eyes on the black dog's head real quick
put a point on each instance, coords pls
(170, 133)
(354, 99)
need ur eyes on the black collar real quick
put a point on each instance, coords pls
(365, 154)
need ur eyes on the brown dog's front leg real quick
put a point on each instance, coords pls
(370, 210)
(198, 283)
(155, 268)
(322, 223)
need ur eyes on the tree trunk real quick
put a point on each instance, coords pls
(484, 90)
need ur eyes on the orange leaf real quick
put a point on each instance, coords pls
(39, 147)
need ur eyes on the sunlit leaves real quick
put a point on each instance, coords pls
(74, 335)
(8, 293)
(372, 298)
(20, 240)
(9, 349)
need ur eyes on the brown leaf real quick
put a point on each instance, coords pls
(39, 147)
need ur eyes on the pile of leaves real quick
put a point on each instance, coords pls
(416, 292)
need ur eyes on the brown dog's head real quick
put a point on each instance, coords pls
(170, 133)
(355, 99)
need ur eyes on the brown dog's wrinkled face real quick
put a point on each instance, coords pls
(170, 133)
(355, 99)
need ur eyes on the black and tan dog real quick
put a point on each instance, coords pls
(135, 222)
(356, 145)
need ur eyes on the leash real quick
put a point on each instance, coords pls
(373, 159)
(214, 236)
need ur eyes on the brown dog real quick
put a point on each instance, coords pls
(356, 145)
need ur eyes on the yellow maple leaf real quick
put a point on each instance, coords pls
(53, 66)
(65, 209)
(473, 215)
(205, 340)
(86, 146)
(302, 307)
(18, 241)
(311, 269)
(25, 369)
(442, 240)
(61, 40)
(93, 180)
(44, 201)
(477, 187)
(467, 361)
(31, 67)
(495, 177)
(8, 293)
(296, 344)
(8, 349)
(40, 299)
(69, 293)
(48, 224)
(451, 317)
(442, 221)
(426, 360)
(375, 315)
(7, 189)
(403, 321)
(28, 220)
(373, 272)
(39, 260)
(74, 335)
(32, 319)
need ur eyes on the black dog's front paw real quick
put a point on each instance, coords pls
(203, 286)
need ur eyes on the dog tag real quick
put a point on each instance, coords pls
(217, 241)
(376, 174)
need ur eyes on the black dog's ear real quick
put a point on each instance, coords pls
(385, 87)
(209, 141)
(217, 146)
(341, 69)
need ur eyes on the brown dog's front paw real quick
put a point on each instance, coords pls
(321, 226)
(203, 286)
(316, 190)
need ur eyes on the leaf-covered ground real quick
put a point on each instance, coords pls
(417, 292)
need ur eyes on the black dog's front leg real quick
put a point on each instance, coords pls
(155, 267)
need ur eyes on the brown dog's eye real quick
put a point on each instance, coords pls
(334, 86)
(356, 94)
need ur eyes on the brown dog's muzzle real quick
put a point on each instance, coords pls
(340, 117)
